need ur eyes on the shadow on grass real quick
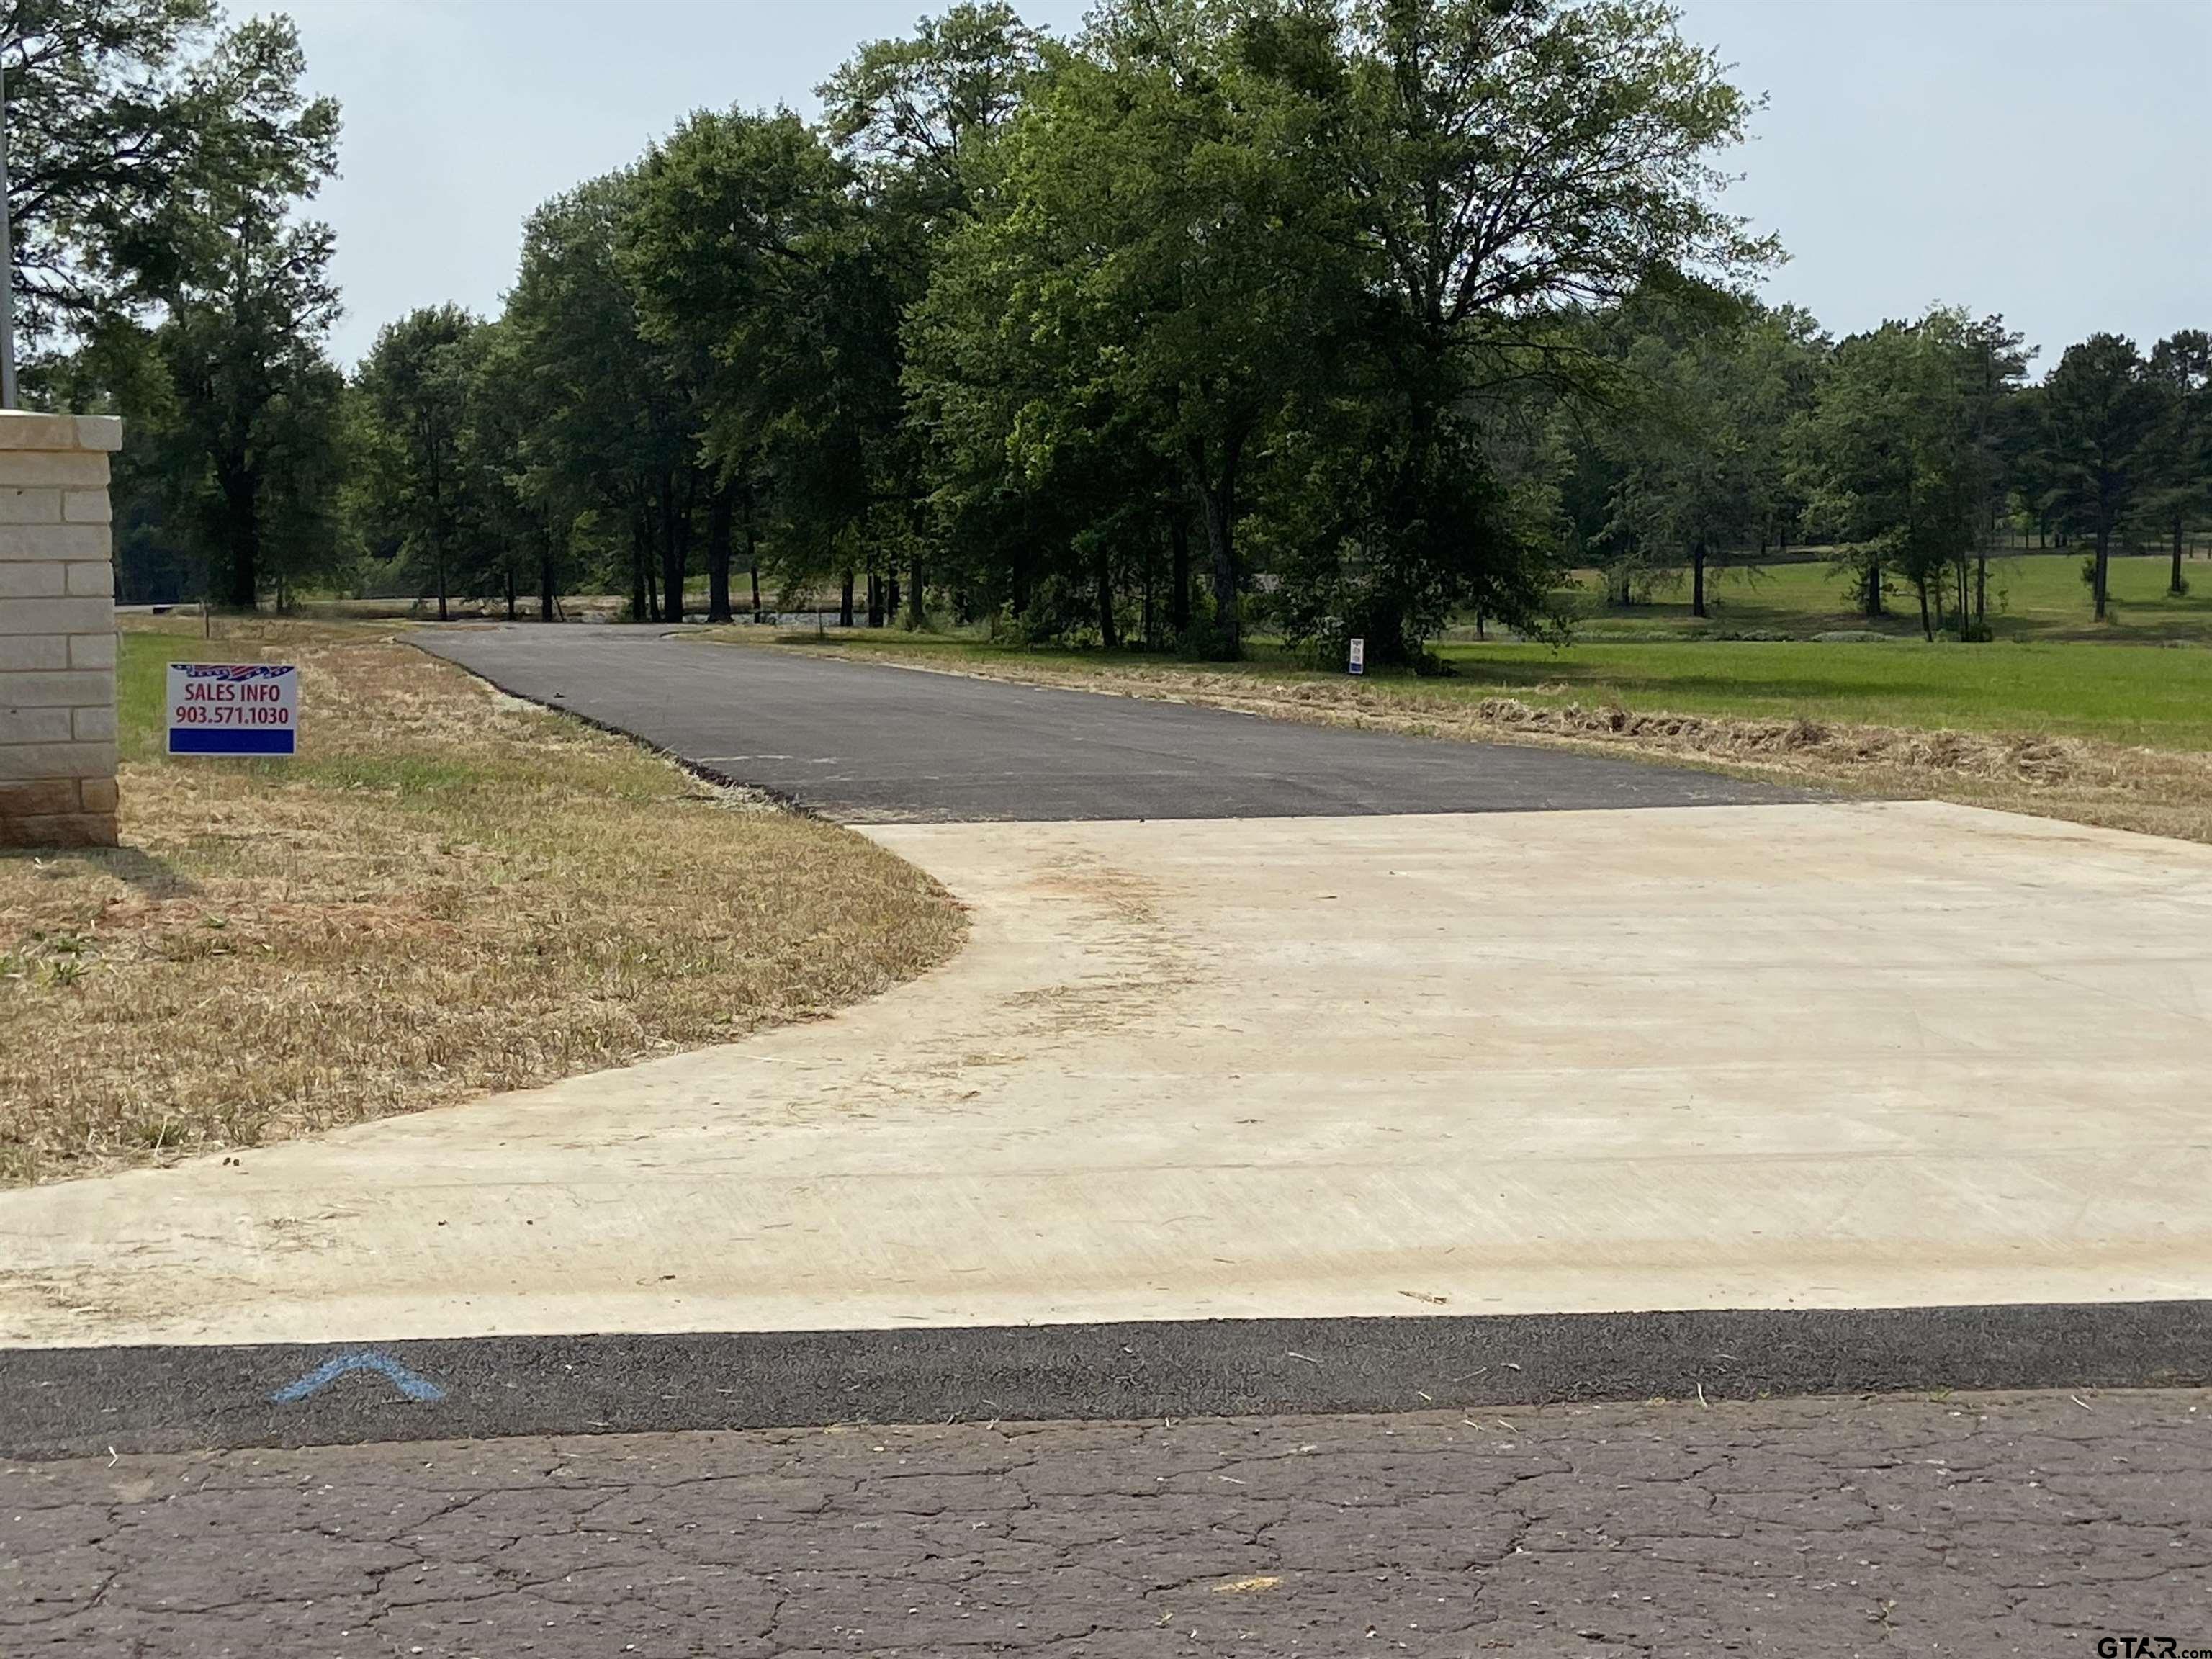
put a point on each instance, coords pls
(155, 877)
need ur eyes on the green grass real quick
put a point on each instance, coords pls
(2033, 596)
(142, 686)
(2135, 695)
(2158, 698)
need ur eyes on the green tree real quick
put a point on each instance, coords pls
(592, 393)
(203, 312)
(1508, 165)
(130, 124)
(1157, 283)
(757, 274)
(2099, 431)
(910, 114)
(2181, 374)
(416, 384)
(1696, 469)
(1989, 362)
(1903, 458)
(916, 119)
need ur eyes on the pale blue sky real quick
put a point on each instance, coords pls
(2041, 158)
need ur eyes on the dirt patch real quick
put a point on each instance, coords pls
(449, 892)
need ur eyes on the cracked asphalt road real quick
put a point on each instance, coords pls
(1977, 1524)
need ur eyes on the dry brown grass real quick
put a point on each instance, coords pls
(2151, 791)
(448, 891)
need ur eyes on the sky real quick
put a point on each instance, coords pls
(2044, 159)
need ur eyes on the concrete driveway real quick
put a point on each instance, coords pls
(1813, 1056)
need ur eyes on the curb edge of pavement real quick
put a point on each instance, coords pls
(66, 1402)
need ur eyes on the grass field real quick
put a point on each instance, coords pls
(447, 891)
(2033, 596)
(2160, 697)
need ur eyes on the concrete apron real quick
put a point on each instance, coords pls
(1857, 1055)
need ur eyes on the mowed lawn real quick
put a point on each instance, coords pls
(448, 891)
(2160, 697)
(2143, 677)
(2137, 695)
(2033, 596)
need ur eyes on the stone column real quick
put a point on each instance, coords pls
(56, 630)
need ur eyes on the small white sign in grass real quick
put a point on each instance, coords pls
(233, 708)
(1358, 665)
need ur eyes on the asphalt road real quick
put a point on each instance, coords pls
(66, 1402)
(1978, 1525)
(870, 742)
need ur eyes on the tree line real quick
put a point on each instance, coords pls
(1330, 318)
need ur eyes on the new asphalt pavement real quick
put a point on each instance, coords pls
(868, 742)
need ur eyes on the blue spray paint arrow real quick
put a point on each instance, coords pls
(419, 1388)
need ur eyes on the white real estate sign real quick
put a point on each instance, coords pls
(233, 708)
(1358, 665)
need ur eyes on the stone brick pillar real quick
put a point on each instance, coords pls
(56, 630)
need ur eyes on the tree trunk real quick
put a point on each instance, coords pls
(1981, 590)
(720, 512)
(1221, 550)
(641, 556)
(1109, 635)
(241, 543)
(441, 578)
(1216, 490)
(875, 599)
(1927, 628)
(1873, 587)
(752, 548)
(845, 600)
(545, 578)
(1179, 575)
(913, 619)
(508, 566)
(1697, 579)
(675, 546)
(2175, 585)
(2103, 568)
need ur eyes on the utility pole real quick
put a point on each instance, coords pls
(7, 264)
